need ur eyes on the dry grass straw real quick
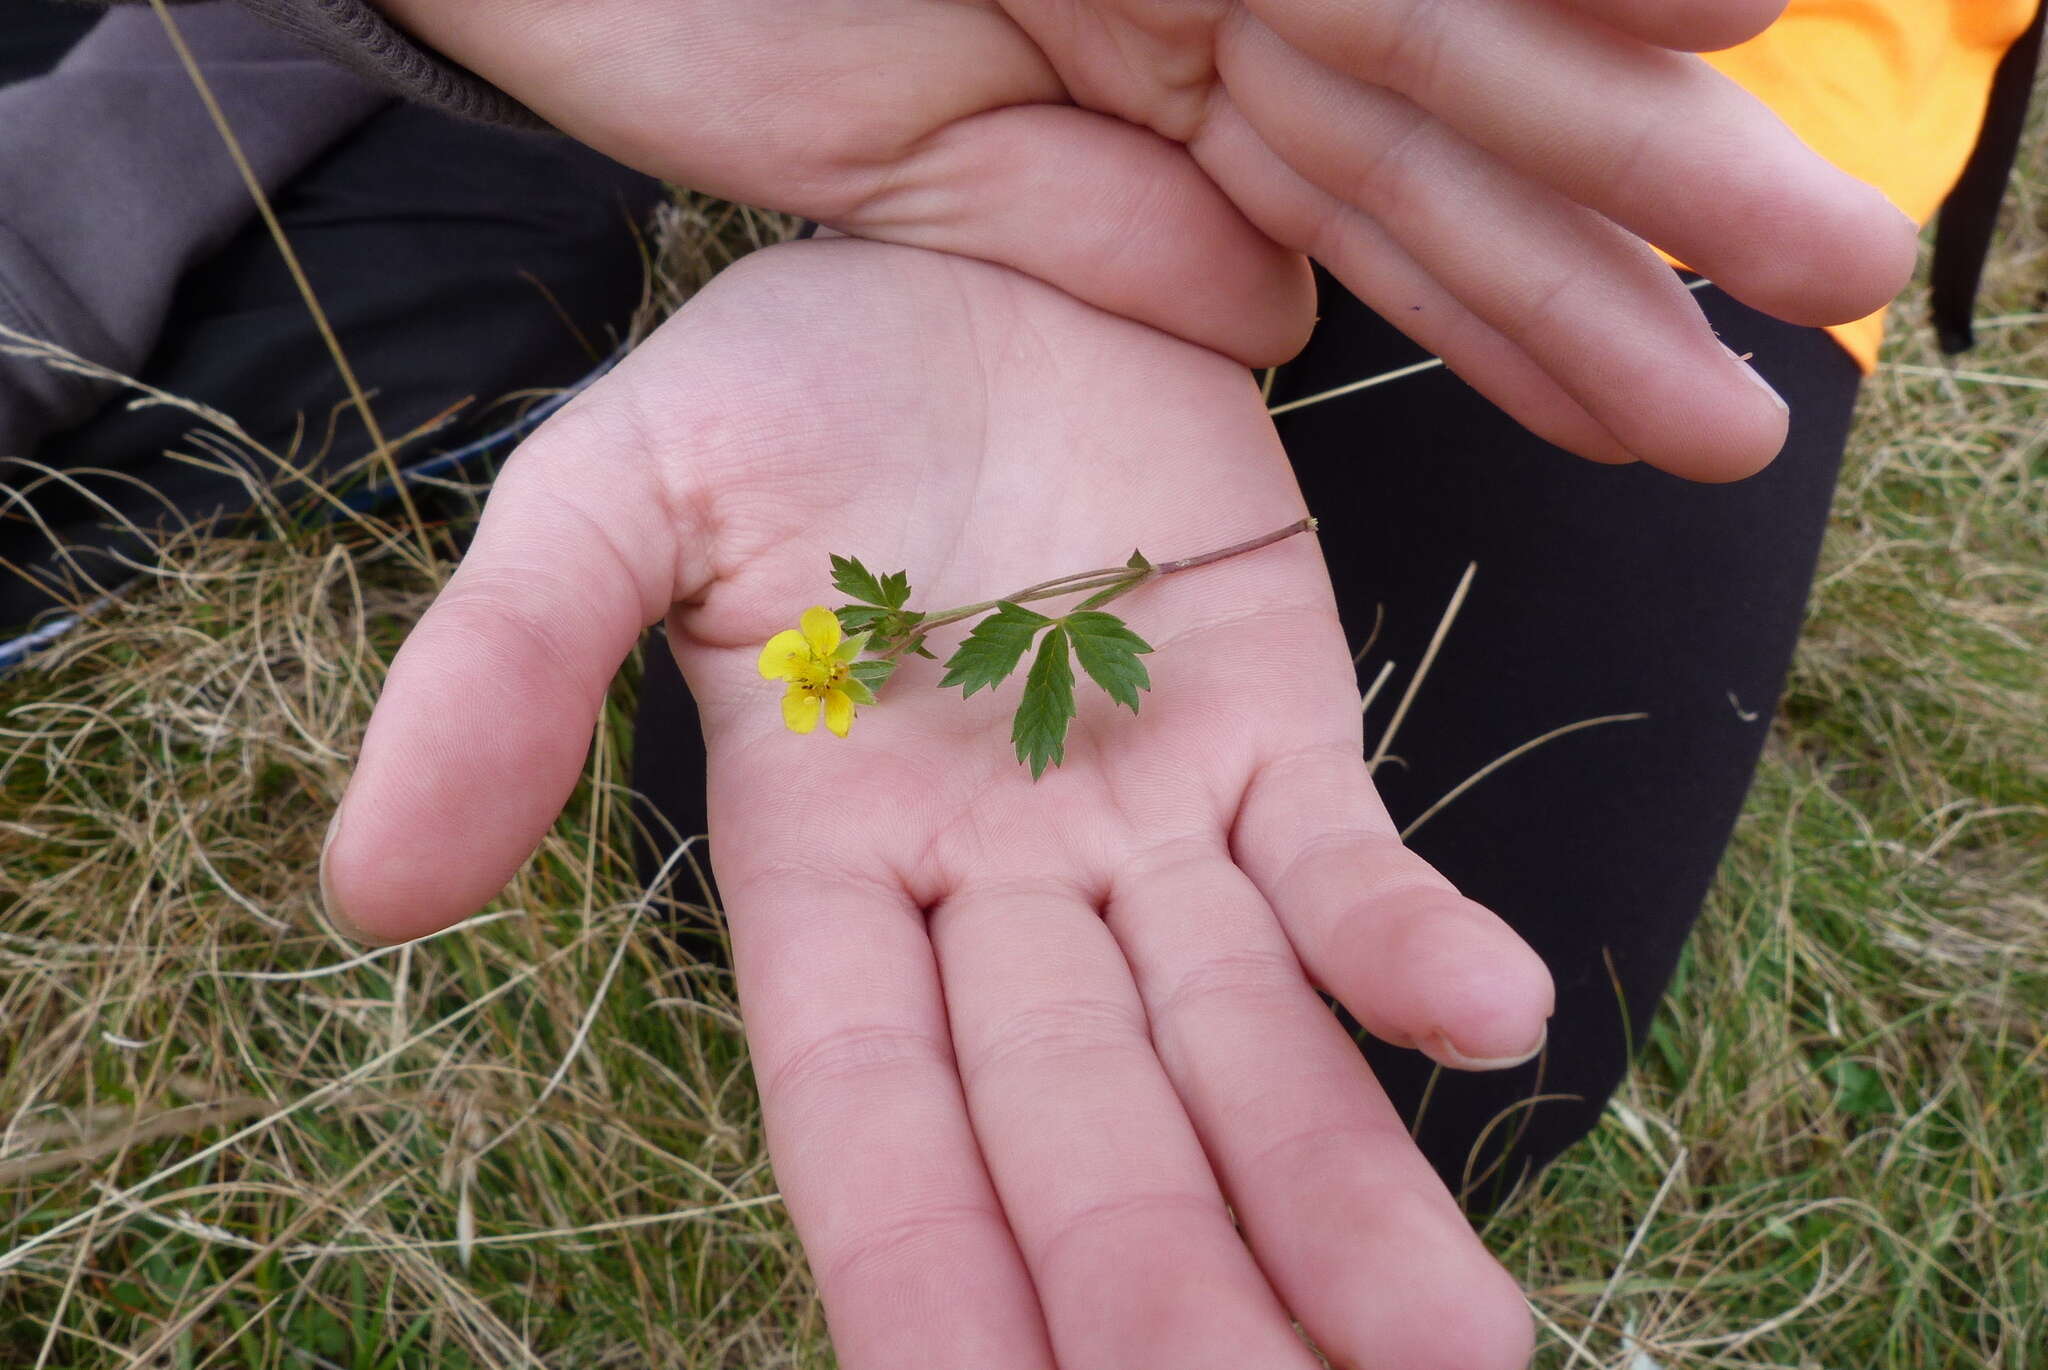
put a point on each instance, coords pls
(227, 1138)
(230, 1138)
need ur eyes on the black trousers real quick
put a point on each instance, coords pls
(1599, 591)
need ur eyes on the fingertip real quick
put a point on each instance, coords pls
(1503, 1335)
(401, 864)
(1487, 1326)
(331, 907)
(1826, 260)
(1446, 1304)
(1735, 444)
(1283, 313)
(350, 903)
(1701, 413)
(1440, 1048)
(1735, 451)
(1446, 976)
(1487, 999)
(1697, 26)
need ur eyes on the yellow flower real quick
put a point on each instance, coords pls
(816, 659)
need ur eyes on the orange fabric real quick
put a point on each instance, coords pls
(1891, 91)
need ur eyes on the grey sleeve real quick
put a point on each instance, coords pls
(354, 35)
(89, 263)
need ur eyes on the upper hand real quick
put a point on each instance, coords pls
(1481, 172)
(1019, 1044)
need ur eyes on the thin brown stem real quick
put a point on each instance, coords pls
(1167, 568)
(1100, 579)
(1051, 589)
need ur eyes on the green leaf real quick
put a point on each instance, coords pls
(1109, 653)
(1138, 562)
(858, 582)
(993, 649)
(856, 690)
(860, 618)
(873, 674)
(1040, 728)
(884, 627)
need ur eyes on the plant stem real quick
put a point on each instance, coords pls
(1102, 578)
(1167, 568)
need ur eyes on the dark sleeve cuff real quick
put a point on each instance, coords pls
(354, 35)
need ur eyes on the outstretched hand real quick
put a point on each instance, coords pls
(1025, 1048)
(1481, 172)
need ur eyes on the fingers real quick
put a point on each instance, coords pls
(1346, 1218)
(870, 1135)
(1607, 319)
(1112, 214)
(1657, 141)
(1106, 1186)
(1382, 274)
(483, 724)
(1684, 25)
(1416, 963)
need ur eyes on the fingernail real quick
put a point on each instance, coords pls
(1438, 1048)
(329, 905)
(1757, 379)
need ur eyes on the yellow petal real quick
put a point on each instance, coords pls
(783, 654)
(800, 709)
(838, 711)
(821, 629)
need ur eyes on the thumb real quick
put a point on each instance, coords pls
(486, 717)
(1112, 214)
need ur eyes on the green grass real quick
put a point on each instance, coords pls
(538, 1142)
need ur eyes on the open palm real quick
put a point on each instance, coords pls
(1024, 1047)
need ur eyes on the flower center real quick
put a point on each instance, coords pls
(817, 677)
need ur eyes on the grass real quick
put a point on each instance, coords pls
(227, 1139)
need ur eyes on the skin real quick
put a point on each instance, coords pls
(1018, 1044)
(1482, 172)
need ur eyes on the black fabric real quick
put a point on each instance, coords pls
(1962, 236)
(37, 34)
(454, 260)
(1600, 590)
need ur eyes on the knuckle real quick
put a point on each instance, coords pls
(1112, 1219)
(1391, 180)
(1244, 978)
(1530, 317)
(837, 1060)
(881, 1253)
(1411, 42)
(1343, 855)
(499, 618)
(1299, 1150)
(1058, 1033)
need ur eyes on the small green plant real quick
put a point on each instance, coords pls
(833, 663)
